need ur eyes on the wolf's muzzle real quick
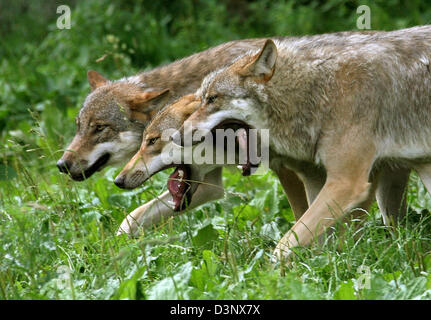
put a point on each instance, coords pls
(120, 181)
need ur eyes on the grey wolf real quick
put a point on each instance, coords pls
(346, 103)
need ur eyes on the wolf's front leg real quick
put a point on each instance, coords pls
(150, 213)
(160, 208)
(294, 190)
(345, 188)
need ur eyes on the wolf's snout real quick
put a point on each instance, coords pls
(64, 165)
(120, 181)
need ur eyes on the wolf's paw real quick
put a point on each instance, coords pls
(282, 254)
(129, 226)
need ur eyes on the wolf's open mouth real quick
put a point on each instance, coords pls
(243, 142)
(98, 165)
(179, 186)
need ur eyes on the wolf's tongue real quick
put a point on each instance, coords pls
(178, 187)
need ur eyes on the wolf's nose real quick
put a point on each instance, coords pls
(63, 165)
(119, 181)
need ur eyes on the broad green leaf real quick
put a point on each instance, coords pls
(345, 291)
(205, 236)
(174, 287)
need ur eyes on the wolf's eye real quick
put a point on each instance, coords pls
(211, 99)
(152, 141)
(99, 128)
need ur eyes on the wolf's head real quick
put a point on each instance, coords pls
(234, 95)
(151, 157)
(109, 125)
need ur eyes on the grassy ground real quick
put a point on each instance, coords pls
(57, 237)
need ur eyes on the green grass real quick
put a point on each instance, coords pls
(57, 237)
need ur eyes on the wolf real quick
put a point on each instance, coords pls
(347, 103)
(148, 161)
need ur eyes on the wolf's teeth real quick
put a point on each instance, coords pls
(181, 174)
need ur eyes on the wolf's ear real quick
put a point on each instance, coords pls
(263, 63)
(139, 102)
(96, 79)
(139, 108)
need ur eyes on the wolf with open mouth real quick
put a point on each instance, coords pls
(325, 106)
